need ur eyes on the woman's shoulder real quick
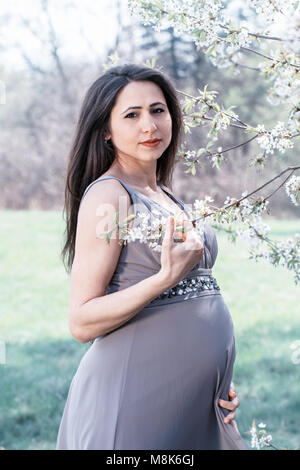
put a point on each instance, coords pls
(107, 190)
(104, 199)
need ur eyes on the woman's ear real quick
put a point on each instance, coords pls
(107, 135)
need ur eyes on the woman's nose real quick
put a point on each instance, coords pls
(148, 124)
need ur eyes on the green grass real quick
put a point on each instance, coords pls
(42, 357)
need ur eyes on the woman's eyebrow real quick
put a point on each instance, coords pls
(140, 107)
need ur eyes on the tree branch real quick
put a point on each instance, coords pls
(197, 100)
(226, 150)
(291, 168)
(248, 49)
(243, 66)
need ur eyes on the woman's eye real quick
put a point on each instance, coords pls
(129, 115)
(157, 109)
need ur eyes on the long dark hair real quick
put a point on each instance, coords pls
(91, 156)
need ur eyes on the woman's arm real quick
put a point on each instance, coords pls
(91, 312)
(101, 315)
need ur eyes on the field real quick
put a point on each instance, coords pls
(42, 357)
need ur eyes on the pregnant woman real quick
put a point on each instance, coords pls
(158, 373)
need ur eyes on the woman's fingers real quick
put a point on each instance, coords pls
(169, 232)
(229, 405)
(230, 419)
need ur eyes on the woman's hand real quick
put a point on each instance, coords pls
(231, 405)
(177, 259)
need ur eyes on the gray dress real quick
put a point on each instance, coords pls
(154, 382)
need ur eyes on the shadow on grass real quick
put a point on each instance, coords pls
(35, 383)
(267, 381)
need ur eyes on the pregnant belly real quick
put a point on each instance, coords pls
(194, 334)
(170, 361)
(186, 342)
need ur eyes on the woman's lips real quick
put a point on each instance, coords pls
(151, 144)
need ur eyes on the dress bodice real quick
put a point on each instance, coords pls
(138, 260)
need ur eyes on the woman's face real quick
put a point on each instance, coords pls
(130, 127)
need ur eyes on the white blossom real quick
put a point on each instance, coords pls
(190, 155)
(269, 9)
(248, 212)
(278, 138)
(222, 122)
(259, 439)
(201, 13)
(202, 206)
(283, 76)
(292, 188)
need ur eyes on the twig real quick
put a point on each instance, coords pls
(203, 101)
(256, 69)
(228, 149)
(239, 145)
(251, 34)
(231, 124)
(286, 179)
(262, 36)
(292, 168)
(272, 38)
(248, 49)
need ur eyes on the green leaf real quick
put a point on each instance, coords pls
(202, 36)
(188, 107)
(130, 217)
(231, 24)
(210, 50)
(200, 151)
(158, 4)
(183, 19)
(209, 144)
(116, 217)
(171, 16)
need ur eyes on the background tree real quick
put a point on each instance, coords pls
(43, 98)
(212, 30)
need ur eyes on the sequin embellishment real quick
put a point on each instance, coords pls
(198, 283)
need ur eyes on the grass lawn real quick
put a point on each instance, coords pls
(42, 357)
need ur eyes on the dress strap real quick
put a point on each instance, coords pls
(181, 203)
(136, 195)
(105, 177)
